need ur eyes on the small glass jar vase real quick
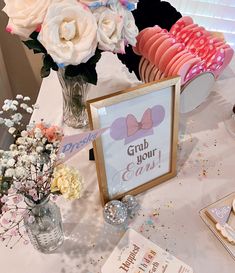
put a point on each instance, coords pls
(74, 91)
(44, 224)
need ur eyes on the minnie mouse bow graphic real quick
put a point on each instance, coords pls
(130, 129)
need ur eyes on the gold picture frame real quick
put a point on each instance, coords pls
(127, 139)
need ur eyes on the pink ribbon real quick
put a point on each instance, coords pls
(133, 126)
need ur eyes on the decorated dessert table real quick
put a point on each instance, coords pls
(169, 213)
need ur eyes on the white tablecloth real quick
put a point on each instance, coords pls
(169, 212)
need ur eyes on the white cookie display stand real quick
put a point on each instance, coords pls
(196, 91)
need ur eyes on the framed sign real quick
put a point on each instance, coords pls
(138, 151)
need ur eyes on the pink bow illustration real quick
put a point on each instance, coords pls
(134, 126)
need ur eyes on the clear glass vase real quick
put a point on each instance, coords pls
(44, 225)
(74, 91)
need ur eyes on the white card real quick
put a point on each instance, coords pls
(136, 254)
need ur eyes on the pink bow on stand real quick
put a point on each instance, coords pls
(133, 126)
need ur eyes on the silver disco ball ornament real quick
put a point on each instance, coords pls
(131, 204)
(115, 213)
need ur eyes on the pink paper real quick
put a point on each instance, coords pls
(70, 145)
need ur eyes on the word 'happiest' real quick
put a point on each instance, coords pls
(131, 259)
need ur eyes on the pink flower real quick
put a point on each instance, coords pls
(41, 126)
(53, 133)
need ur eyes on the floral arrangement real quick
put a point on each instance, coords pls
(71, 34)
(30, 169)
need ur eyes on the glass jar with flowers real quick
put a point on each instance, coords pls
(31, 174)
(71, 34)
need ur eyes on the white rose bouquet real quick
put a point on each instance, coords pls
(31, 169)
(72, 33)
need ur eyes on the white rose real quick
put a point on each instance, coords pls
(130, 30)
(69, 33)
(110, 27)
(25, 15)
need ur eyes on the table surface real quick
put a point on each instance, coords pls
(169, 214)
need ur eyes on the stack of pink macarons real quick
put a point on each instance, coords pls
(186, 50)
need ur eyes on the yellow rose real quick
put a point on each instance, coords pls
(68, 181)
